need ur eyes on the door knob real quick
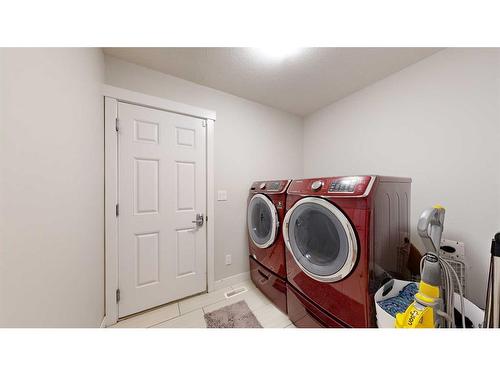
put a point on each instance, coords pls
(199, 220)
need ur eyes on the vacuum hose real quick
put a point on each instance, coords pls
(430, 229)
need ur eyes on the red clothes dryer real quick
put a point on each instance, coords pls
(265, 213)
(345, 236)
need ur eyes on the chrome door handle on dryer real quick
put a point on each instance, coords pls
(199, 220)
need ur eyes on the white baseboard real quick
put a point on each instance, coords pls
(231, 280)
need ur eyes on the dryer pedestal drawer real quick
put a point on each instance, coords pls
(268, 283)
(305, 314)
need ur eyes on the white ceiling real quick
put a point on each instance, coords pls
(299, 84)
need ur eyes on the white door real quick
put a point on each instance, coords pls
(161, 189)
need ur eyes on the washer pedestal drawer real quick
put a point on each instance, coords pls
(268, 283)
(305, 314)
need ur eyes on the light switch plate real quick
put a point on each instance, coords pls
(222, 195)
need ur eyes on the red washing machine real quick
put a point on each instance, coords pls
(345, 237)
(265, 213)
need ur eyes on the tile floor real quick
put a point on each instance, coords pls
(189, 312)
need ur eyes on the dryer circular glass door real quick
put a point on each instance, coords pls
(262, 221)
(321, 239)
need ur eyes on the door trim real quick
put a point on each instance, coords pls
(112, 96)
(133, 97)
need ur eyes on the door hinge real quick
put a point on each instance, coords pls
(117, 125)
(204, 124)
(117, 210)
(117, 295)
(206, 219)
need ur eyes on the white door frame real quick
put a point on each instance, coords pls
(112, 96)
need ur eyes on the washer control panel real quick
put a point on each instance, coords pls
(343, 186)
(346, 186)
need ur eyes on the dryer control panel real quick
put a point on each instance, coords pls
(336, 186)
(275, 186)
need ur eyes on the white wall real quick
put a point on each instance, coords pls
(437, 121)
(51, 188)
(252, 142)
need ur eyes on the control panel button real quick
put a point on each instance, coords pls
(316, 185)
(262, 186)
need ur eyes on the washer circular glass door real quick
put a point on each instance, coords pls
(262, 221)
(321, 239)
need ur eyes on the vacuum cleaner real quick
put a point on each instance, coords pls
(433, 305)
(492, 309)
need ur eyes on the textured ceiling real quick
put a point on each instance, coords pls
(300, 84)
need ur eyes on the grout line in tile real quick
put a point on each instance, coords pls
(262, 307)
(176, 317)
(157, 324)
(283, 320)
(166, 320)
(225, 299)
(203, 308)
